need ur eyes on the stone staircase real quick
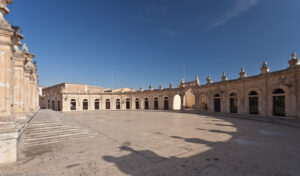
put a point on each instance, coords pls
(53, 130)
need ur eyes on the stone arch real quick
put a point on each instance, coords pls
(73, 105)
(272, 96)
(278, 102)
(146, 103)
(85, 104)
(127, 103)
(189, 99)
(107, 104)
(166, 103)
(177, 102)
(97, 104)
(254, 103)
(137, 103)
(233, 102)
(203, 101)
(156, 104)
(217, 102)
(118, 103)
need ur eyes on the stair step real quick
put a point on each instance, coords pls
(48, 128)
(47, 125)
(54, 136)
(58, 140)
(30, 130)
(54, 133)
(46, 122)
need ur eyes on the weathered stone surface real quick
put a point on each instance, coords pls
(156, 143)
(18, 87)
(246, 95)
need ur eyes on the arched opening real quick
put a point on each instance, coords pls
(146, 103)
(58, 105)
(233, 100)
(155, 103)
(253, 103)
(49, 104)
(203, 101)
(166, 103)
(73, 105)
(85, 104)
(278, 102)
(118, 104)
(107, 104)
(97, 104)
(217, 103)
(137, 103)
(127, 103)
(177, 102)
(189, 99)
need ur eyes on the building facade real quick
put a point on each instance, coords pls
(18, 87)
(267, 94)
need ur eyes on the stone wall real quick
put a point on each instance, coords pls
(19, 98)
(235, 96)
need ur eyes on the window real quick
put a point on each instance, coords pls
(137, 103)
(118, 104)
(233, 100)
(166, 103)
(107, 104)
(127, 103)
(97, 104)
(253, 102)
(73, 105)
(217, 103)
(146, 103)
(155, 103)
(85, 104)
(278, 102)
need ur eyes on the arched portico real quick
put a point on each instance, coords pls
(85, 104)
(97, 104)
(233, 103)
(189, 102)
(177, 102)
(166, 103)
(146, 103)
(278, 102)
(73, 105)
(203, 102)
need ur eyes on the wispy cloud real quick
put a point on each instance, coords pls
(239, 7)
(169, 32)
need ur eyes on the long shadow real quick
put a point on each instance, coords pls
(193, 140)
(226, 158)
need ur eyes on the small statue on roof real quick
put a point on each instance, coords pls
(25, 47)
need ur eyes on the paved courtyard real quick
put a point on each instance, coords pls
(141, 143)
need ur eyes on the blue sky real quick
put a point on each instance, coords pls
(132, 43)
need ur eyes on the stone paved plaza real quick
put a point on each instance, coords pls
(138, 143)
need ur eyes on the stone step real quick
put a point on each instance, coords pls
(46, 125)
(50, 133)
(45, 133)
(49, 127)
(45, 122)
(57, 140)
(54, 136)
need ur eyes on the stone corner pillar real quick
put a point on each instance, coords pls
(18, 89)
(9, 143)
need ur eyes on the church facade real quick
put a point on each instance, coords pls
(19, 98)
(267, 94)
